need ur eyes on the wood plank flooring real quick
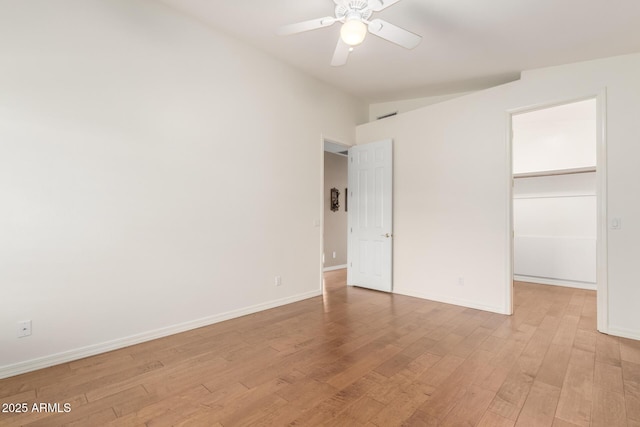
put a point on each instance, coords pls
(356, 357)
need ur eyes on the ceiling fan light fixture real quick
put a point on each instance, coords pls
(353, 32)
(355, 18)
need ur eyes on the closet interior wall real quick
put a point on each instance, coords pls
(554, 195)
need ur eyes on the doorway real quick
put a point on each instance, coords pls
(333, 249)
(334, 207)
(366, 237)
(557, 197)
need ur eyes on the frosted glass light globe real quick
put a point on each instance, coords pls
(353, 32)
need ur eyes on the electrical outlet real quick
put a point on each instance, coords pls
(278, 281)
(460, 281)
(334, 254)
(24, 328)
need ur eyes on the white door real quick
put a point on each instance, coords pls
(370, 215)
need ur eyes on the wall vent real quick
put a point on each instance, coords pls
(388, 115)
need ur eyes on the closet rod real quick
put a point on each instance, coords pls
(554, 172)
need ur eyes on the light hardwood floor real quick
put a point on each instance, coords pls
(358, 357)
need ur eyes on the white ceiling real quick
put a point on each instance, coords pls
(467, 44)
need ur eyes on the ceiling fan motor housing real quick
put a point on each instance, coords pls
(355, 9)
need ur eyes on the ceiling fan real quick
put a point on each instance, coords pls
(354, 15)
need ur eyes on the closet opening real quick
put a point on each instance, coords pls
(555, 204)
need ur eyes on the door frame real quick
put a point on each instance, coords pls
(602, 287)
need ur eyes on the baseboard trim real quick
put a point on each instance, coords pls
(556, 282)
(91, 350)
(624, 333)
(335, 267)
(448, 300)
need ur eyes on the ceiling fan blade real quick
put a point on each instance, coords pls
(394, 34)
(341, 54)
(378, 5)
(312, 24)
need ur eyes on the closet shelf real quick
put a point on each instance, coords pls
(554, 172)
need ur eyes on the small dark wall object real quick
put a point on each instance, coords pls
(346, 200)
(335, 201)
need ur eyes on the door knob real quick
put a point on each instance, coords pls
(387, 235)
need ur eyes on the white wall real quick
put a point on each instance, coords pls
(155, 176)
(555, 225)
(380, 109)
(560, 137)
(452, 186)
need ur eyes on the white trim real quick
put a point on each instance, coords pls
(508, 298)
(335, 267)
(555, 172)
(556, 282)
(602, 271)
(633, 334)
(91, 350)
(321, 216)
(448, 300)
(558, 196)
